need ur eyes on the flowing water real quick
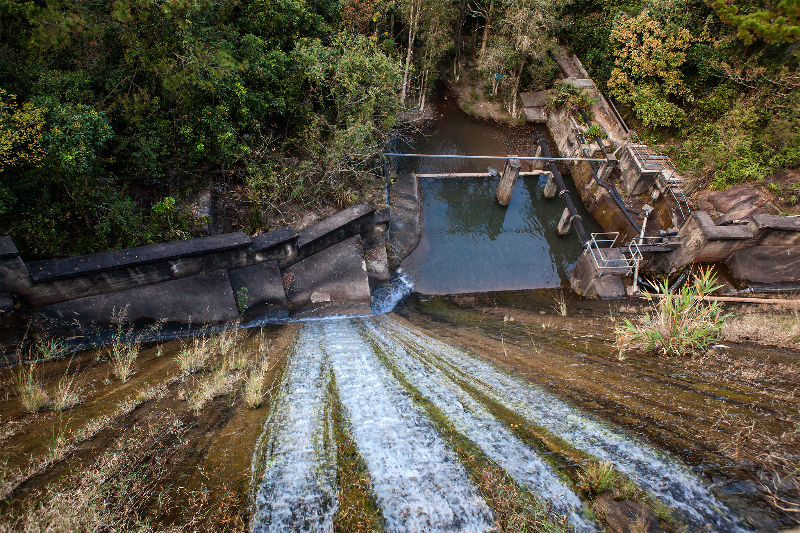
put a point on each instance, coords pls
(377, 365)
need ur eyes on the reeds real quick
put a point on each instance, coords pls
(680, 324)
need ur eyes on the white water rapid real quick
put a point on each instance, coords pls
(378, 365)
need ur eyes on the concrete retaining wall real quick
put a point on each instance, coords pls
(205, 280)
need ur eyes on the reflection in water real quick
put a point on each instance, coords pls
(469, 242)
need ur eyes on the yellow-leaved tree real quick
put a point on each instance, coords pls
(646, 74)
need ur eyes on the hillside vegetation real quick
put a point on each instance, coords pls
(114, 114)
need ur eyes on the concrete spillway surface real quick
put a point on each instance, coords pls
(417, 480)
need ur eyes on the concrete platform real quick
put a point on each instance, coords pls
(536, 115)
(260, 289)
(331, 282)
(202, 299)
(337, 228)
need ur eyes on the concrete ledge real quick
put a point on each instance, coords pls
(590, 281)
(343, 225)
(105, 261)
(333, 281)
(766, 264)
(202, 299)
(261, 288)
(277, 245)
(404, 225)
(8, 249)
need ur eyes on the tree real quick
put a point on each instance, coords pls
(647, 66)
(773, 24)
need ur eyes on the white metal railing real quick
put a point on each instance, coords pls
(627, 259)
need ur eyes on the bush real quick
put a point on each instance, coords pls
(680, 324)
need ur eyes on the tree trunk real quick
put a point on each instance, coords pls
(515, 91)
(486, 26)
(412, 33)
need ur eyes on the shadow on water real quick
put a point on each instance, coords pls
(469, 242)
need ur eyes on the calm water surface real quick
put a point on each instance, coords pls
(469, 242)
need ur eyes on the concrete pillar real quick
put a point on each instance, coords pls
(550, 188)
(605, 171)
(506, 187)
(537, 164)
(565, 224)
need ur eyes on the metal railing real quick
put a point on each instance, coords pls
(650, 161)
(627, 260)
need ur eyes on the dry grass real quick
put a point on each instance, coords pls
(254, 392)
(216, 384)
(112, 494)
(772, 327)
(67, 393)
(195, 355)
(28, 384)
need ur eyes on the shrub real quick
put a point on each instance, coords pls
(570, 96)
(680, 324)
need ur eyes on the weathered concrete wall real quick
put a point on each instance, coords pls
(195, 279)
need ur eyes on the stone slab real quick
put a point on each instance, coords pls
(404, 227)
(766, 264)
(347, 223)
(534, 98)
(333, 281)
(129, 257)
(201, 299)
(536, 115)
(14, 275)
(260, 287)
(7, 248)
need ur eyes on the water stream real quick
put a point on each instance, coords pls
(418, 481)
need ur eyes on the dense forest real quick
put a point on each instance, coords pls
(115, 113)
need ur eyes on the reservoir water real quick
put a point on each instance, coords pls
(468, 241)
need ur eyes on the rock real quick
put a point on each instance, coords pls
(766, 264)
(625, 516)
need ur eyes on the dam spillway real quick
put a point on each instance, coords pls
(401, 390)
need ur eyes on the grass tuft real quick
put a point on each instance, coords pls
(681, 324)
(29, 388)
(598, 477)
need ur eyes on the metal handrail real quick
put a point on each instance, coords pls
(600, 241)
(655, 161)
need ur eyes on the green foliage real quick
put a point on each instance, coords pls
(647, 68)
(568, 95)
(774, 22)
(679, 324)
(241, 300)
